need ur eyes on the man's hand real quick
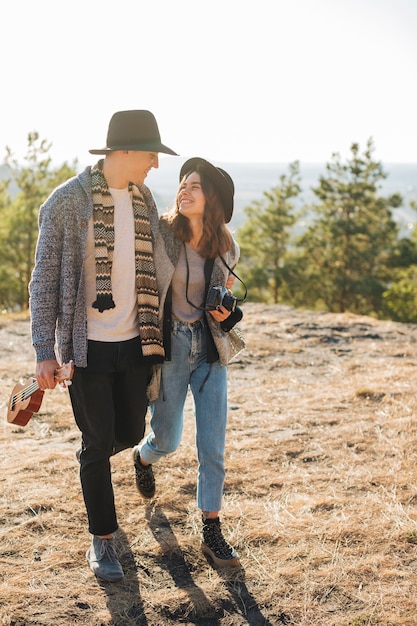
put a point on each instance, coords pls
(45, 374)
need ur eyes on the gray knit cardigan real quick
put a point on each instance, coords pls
(168, 248)
(57, 288)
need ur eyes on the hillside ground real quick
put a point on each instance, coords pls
(320, 495)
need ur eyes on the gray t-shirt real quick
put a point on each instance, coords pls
(181, 309)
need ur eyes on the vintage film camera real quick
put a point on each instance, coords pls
(220, 296)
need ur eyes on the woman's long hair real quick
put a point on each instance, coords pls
(216, 238)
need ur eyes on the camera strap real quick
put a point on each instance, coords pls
(239, 279)
(208, 267)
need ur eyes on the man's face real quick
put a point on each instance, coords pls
(140, 164)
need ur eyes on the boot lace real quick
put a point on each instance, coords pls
(213, 538)
(107, 549)
(144, 475)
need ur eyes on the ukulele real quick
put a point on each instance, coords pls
(26, 398)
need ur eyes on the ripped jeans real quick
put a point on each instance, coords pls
(188, 369)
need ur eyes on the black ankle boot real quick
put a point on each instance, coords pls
(216, 546)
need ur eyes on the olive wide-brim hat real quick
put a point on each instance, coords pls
(219, 177)
(133, 130)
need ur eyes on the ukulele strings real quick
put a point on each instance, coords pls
(60, 376)
(24, 393)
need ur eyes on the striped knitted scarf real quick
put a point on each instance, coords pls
(146, 284)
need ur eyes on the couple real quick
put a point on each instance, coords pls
(122, 293)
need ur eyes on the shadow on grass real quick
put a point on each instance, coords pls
(123, 599)
(234, 580)
(204, 611)
(126, 606)
(200, 609)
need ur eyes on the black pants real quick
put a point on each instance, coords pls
(109, 404)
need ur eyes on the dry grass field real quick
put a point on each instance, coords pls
(320, 497)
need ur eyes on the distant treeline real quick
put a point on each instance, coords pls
(341, 251)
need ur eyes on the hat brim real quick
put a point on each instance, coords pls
(139, 147)
(221, 179)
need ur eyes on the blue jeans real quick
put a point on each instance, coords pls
(208, 384)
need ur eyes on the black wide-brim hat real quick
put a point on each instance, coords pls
(219, 177)
(133, 130)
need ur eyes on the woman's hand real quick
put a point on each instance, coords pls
(230, 281)
(220, 314)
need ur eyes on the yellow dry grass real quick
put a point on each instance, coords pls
(320, 497)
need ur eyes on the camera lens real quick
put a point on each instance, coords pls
(229, 302)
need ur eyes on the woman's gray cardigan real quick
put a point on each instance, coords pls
(168, 248)
(57, 287)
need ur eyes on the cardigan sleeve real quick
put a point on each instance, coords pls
(44, 286)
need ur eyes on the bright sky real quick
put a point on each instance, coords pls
(264, 81)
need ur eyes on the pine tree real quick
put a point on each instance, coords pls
(265, 235)
(400, 298)
(19, 217)
(347, 248)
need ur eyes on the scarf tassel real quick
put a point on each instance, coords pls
(104, 302)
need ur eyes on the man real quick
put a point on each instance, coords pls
(94, 294)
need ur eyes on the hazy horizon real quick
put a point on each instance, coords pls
(253, 179)
(273, 82)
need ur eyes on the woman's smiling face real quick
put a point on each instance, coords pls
(191, 200)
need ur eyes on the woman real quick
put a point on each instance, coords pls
(201, 255)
